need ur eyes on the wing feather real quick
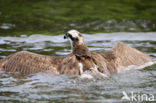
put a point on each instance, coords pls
(27, 62)
(121, 55)
(127, 55)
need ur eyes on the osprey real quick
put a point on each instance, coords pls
(80, 62)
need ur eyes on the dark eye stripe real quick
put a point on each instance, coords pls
(73, 39)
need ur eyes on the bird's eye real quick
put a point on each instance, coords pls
(67, 34)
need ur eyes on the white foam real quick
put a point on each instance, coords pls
(135, 67)
(86, 76)
(33, 39)
(119, 36)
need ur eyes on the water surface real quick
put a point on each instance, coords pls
(45, 87)
(92, 16)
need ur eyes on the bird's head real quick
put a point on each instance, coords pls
(74, 36)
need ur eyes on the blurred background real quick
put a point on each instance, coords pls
(52, 17)
(37, 26)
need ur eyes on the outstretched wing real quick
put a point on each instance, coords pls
(127, 55)
(27, 63)
(120, 56)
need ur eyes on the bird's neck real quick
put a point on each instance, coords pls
(80, 49)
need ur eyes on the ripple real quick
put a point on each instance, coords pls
(118, 36)
(46, 87)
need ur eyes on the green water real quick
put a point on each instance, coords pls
(57, 16)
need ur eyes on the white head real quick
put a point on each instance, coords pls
(74, 33)
(75, 36)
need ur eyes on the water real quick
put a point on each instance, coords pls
(91, 16)
(46, 87)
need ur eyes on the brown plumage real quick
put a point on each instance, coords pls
(26, 62)
(120, 57)
(79, 61)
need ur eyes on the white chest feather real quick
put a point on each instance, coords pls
(80, 68)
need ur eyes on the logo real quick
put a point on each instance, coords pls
(137, 96)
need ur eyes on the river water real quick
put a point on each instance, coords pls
(46, 87)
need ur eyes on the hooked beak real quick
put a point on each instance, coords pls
(66, 36)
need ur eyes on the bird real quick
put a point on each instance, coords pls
(81, 61)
